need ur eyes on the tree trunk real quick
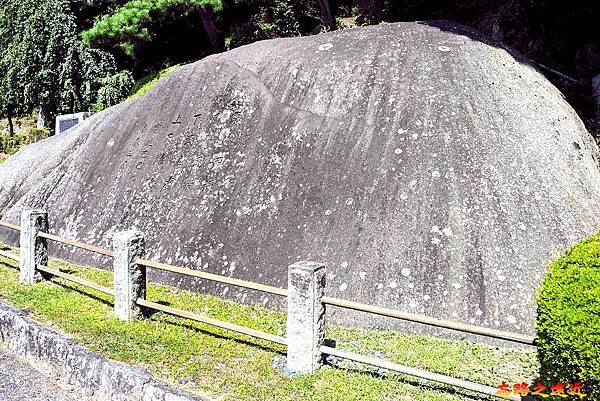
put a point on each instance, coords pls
(328, 14)
(213, 33)
(11, 128)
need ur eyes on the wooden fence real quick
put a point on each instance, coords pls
(305, 294)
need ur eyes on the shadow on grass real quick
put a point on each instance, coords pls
(80, 291)
(384, 374)
(184, 324)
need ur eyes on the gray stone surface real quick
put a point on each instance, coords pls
(305, 316)
(89, 373)
(432, 172)
(33, 249)
(19, 381)
(129, 277)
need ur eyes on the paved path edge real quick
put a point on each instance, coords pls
(89, 372)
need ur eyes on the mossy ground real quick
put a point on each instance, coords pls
(222, 364)
(142, 86)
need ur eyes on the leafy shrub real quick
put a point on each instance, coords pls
(33, 134)
(10, 144)
(568, 321)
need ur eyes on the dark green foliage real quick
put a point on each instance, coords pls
(147, 35)
(87, 11)
(568, 321)
(560, 33)
(251, 20)
(114, 89)
(128, 21)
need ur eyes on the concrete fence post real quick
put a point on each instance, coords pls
(129, 277)
(305, 317)
(33, 248)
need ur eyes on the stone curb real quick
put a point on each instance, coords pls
(91, 373)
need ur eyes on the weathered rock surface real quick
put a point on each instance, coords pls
(431, 171)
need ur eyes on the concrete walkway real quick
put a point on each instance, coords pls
(19, 381)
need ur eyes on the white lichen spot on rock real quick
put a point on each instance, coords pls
(325, 46)
(393, 284)
(362, 275)
(327, 212)
(456, 285)
(426, 297)
(511, 319)
(443, 48)
(435, 174)
(447, 231)
(398, 151)
(436, 241)
(349, 201)
(343, 287)
(224, 116)
(405, 271)
(344, 264)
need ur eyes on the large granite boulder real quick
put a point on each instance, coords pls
(431, 171)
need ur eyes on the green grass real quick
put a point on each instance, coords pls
(205, 359)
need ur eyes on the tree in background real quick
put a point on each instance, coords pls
(148, 35)
(43, 64)
(114, 89)
(145, 36)
(87, 11)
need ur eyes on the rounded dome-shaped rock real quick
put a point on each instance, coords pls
(432, 172)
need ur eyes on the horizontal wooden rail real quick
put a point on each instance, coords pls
(213, 322)
(415, 372)
(10, 225)
(214, 277)
(10, 255)
(447, 324)
(75, 279)
(78, 244)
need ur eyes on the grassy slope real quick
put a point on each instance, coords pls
(202, 358)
